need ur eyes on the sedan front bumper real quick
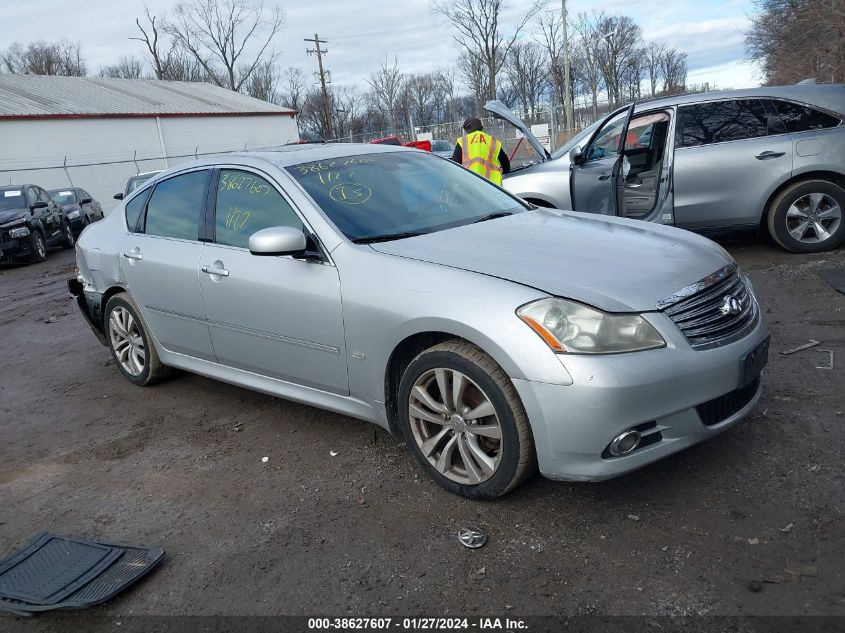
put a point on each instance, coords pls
(665, 391)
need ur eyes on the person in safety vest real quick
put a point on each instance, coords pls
(480, 152)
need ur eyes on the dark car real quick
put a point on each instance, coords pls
(134, 182)
(31, 222)
(79, 206)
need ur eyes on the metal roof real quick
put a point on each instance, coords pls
(37, 96)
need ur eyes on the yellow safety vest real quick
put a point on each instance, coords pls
(480, 153)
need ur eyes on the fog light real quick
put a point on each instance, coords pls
(624, 443)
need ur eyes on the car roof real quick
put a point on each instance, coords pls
(827, 96)
(12, 187)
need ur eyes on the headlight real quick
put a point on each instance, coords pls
(73, 214)
(21, 232)
(569, 327)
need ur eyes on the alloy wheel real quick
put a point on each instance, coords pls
(455, 426)
(40, 248)
(813, 218)
(126, 341)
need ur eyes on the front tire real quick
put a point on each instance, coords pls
(808, 217)
(131, 343)
(37, 247)
(464, 422)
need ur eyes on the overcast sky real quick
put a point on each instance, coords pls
(362, 32)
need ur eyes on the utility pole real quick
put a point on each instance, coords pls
(567, 96)
(317, 51)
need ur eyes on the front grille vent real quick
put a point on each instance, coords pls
(717, 313)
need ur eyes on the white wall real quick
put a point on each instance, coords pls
(29, 144)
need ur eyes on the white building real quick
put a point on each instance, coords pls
(94, 133)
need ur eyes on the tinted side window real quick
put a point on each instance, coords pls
(800, 118)
(133, 211)
(247, 203)
(606, 142)
(175, 206)
(31, 196)
(722, 121)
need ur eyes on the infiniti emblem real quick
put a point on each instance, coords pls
(730, 305)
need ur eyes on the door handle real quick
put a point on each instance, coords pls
(605, 176)
(769, 155)
(211, 270)
(133, 255)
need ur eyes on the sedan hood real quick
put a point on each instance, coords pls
(11, 215)
(613, 264)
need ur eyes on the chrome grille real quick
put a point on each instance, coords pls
(702, 311)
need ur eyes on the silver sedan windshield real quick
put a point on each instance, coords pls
(399, 194)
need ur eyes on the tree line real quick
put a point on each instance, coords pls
(795, 40)
(231, 43)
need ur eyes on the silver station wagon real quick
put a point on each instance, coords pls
(397, 287)
(766, 158)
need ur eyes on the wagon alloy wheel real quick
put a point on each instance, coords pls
(813, 218)
(455, 426)
(126, 341)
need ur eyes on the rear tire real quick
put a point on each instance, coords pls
(130, 342)
(480, 447)
(37, 247)
(803, 213)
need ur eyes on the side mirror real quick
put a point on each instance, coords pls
(85, 201)
(277, 240)
(575, 155)
(118, 196)
(39, 204)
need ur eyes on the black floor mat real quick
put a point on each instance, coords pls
(58, 573)
(835, 277)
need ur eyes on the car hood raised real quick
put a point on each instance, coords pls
(11, 215)
(613, 264)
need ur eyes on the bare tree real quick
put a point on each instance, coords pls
(651, 59)
(150, 36)
(386, 85)
(551, 37)
(424, 98)
(292, 91)
(798, 39)
(45, 58)
(618, 42)
(527, 70)
(673, 69)
(217, 32)
(474, 71)
(588, 39)
(127, 67)
(446, 80)
(480, 33)
(263, 83)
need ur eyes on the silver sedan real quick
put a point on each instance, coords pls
(397, 287)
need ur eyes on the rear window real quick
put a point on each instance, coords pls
(175, 206)
(12, 199)
(64, 196)
(134, 208)
(723, 121)
(801, 118)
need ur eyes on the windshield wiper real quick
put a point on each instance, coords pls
(492, 216)
(370, 239)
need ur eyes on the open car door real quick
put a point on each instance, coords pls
(597, 176)
(501, 111)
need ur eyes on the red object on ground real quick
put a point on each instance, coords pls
(423, 145)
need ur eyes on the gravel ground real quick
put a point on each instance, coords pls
(748, 523)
